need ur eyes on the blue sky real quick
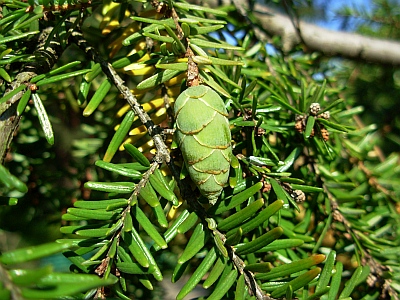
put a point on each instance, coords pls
(332, 21)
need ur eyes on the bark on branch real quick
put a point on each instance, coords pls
(315, 38)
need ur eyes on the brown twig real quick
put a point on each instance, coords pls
(373, 181)
(162, 155)
(375, 277)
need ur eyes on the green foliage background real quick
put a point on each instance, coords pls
(311, 207)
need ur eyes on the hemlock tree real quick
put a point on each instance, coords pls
(270, 188)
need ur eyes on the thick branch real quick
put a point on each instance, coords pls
(315, 38)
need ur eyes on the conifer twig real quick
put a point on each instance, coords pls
(45, 58)
(155, 131)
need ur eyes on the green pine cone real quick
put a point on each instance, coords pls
(204, 137)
